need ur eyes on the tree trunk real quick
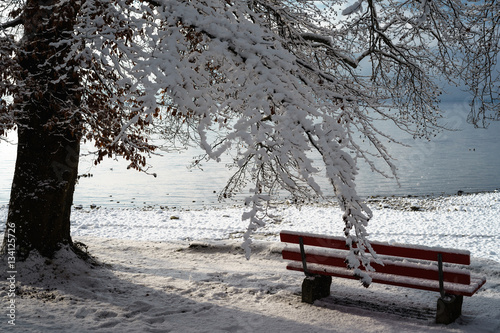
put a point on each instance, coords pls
(49, 131)
(42, 191)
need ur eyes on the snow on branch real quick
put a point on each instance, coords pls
(354, 8)
(327, 41)
(12, 24)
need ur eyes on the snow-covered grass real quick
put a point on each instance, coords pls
(184, 271)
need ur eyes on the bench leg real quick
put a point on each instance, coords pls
(449, 309)
(316, 287)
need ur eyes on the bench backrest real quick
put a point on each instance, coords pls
(451, 256)
(400, 266)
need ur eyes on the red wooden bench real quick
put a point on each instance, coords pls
(413, 266)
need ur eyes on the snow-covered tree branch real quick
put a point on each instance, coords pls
(271, 82)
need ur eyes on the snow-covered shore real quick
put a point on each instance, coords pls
(184, 271)
(470, 222)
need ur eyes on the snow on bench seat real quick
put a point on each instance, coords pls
(395, 280)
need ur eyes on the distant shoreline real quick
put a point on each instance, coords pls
(402, 200)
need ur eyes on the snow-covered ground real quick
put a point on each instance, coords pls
(184, 271)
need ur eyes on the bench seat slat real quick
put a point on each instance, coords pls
(408, 269)
(415, 251)
(409, 282)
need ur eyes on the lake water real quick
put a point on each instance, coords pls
(464, 160)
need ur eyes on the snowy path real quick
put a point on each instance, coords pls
(174, 287)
